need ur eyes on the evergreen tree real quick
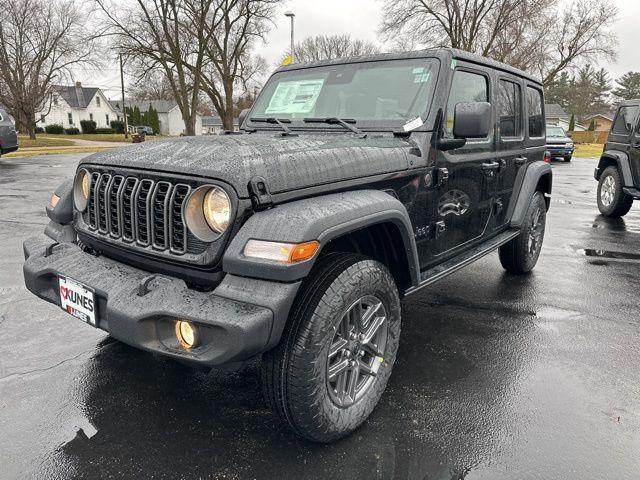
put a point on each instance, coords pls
(136, 118)
(592, 126)
(628, 86)
(572, 123)
(154, 121)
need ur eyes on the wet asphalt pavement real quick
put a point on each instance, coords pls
(497, 376)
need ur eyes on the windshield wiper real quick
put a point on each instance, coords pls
(280, 122)
(345, 122)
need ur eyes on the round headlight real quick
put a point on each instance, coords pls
(81, 188)
(217, 209)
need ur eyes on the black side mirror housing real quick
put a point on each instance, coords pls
(472, 120)
(242, 116)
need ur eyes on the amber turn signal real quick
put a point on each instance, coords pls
(281, 252)
(186, 334)
(54, 200)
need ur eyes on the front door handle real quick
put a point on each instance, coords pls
(520, 160)
(490, 166)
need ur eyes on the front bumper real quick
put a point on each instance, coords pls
(241, 318)
(559, 151)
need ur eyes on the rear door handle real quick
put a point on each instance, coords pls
(490, 166)
(520, 160)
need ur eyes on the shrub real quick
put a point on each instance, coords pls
(72, 131)
(88, 126)
(55, 129)
(117, 126)
(104, 130)
(39, 130)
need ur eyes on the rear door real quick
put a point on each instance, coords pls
(510, 136)
(634, 153)
(465, 199)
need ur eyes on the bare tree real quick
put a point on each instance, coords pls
(153, 86)
(542, 37)
(156, 36)
(325, 47)
(227, 30)
(40, 41)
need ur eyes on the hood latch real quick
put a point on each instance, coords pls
(260, 194)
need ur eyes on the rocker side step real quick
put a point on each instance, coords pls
(454, 264)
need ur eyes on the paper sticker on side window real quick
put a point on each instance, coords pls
(295, 97)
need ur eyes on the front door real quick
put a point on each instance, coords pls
(510, 136)
(634, 154)
(465, 199)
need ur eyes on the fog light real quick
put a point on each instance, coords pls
(186, 334)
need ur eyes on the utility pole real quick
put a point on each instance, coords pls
(291, 15)
(124, 110)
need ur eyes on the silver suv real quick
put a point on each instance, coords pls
(8, 135)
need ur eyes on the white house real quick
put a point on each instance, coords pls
(169, 116)
(68, 105)
(555, 115)
(212, 125)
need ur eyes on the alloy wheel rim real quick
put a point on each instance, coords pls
(607, 192)
(357, 350)
(535, 233)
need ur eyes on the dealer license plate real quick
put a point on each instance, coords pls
(77, 300)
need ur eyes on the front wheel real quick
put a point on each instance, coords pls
(567, 158)
(337, 351)
(521, 254)
(612, 201)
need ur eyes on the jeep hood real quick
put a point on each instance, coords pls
(287, 163)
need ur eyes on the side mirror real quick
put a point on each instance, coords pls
(569, 134)
(242, 116)
(472, 120)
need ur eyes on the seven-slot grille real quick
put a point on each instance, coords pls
(140, 211)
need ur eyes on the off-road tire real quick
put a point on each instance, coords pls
(518, 256)
(294, 374)
(620, 203)
(567, 158)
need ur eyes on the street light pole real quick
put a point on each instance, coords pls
(291, 15)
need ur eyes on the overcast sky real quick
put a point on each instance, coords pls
(361, 18)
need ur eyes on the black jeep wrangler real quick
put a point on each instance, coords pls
(353, 183)
(618, 171)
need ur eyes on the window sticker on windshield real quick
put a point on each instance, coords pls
(413, 124)
(295, 97)
(417, 70)
(421, 78)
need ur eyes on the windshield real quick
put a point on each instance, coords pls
(378, 95)
(555, 132)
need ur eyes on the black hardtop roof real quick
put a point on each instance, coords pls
(630, 103)
(442, 53)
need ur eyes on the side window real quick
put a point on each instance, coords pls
(534, 109)
(466, 87)
(625, 120)
(509, 109)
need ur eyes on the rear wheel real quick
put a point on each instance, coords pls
(612, 201)
(521, 254)
(336, 354)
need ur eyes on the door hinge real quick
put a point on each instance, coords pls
(260, 194)
(443, 176)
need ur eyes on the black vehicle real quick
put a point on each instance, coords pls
(618, 171)
(559, 143)
(354, 183)
(8, 135)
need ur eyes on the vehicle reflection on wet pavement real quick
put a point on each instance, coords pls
(497, 377)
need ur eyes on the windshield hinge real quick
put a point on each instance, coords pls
(260, 194)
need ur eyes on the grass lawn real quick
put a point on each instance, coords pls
(26, 142)
(586, 150)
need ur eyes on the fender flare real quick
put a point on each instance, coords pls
(621, 159)
(60, 227)
(534, 173)
(319, 218)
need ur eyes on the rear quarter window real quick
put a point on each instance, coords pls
(625, 119)
(534, 113)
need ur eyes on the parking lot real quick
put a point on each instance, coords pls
(497, 376)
